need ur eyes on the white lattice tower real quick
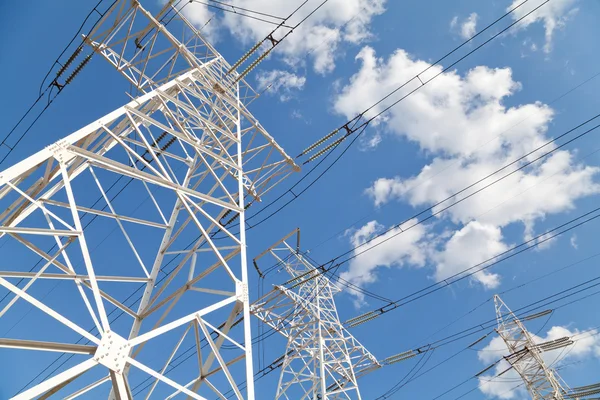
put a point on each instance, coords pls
(183, 158)
(525, 357)
(322, 359)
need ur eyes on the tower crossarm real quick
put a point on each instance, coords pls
(147, 54)
(280, 307)
(525, 355)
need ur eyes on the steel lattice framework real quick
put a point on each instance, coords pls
(322, 359)
(542, 382)
(185, 155)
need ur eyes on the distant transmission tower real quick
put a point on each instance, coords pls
(525, 356)
(322, 359)
(129, 214)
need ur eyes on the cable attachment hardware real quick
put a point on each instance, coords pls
(274, 42)
(155, 145)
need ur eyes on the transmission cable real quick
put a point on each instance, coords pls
(54, 84)
(452, 196)
(233, 11)
(498, 258)
(359, 128)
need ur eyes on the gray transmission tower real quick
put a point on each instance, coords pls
(322, 359)
(185, 155)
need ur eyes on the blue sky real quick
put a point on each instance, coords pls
(496, 105)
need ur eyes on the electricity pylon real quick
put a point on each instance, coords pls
(525, 356)
(182, 158)
(322, 359)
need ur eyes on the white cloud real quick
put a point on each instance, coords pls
(337, 22)
(389, 250)
(573, 242)
(463, 125)
(283, 82)
(552, 15)
(414, 244)
(503, 387)
(472, 245)
(203, 18)
(468, 27)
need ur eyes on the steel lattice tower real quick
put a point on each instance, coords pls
(188, 155)
(322, 359)
(542, 382)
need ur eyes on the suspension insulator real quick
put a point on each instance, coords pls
(319, 142)
(159, 139)
(77, 70)
(326, 149)
(245, 56)
(69, 61)
(169, 143)
(253, 65)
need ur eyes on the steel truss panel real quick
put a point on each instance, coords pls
(180, 157)
(542, 382)
(322, 359)
(146, 51)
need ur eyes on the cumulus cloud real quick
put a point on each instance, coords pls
(553, 15)
(470, 246)
(282, 82)
(319, 37)
(394, 248)
(413, 244)
(463, 125)
(467, 28)
(503, 387)
(203, 18)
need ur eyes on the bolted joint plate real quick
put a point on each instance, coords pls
(241, 291)
(61, 152)
(112, 352)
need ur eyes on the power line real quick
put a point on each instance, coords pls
(498, 258)
(233, 11)
(435, 345)
(359, 128)
(457, 161)
(54, 83)
(452, 196)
